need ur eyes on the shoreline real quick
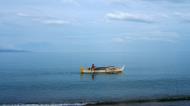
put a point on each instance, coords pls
(156, 103)
(153, 103)
(144, 102)
(167, 101)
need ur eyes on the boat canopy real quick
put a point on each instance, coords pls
(103, 68)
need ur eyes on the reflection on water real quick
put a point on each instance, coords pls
(95, 76)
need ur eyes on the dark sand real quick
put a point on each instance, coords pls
(169, 103)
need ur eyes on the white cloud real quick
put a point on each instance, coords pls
(118, 40)
(55, 22)
(31, 15)
(125, 16)
(171, 37)
(183, 16)
(72, 2)
(21, 14)
(118, 1)
(172, 1)
(43, 19)
(127, 1)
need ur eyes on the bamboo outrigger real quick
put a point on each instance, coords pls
(108, 69)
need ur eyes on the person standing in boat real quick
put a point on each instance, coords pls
(93, 67)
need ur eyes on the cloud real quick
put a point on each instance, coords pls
(127, 1)
(119, 39)
(55, 22)
(21, 14)
(187, 21)
(125, 16)
(172, 1)
(43, 19)
(72, 2)
(183, 16)
(171, 37)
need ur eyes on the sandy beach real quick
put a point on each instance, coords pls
(171, 103)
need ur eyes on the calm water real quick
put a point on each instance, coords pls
(55, 78)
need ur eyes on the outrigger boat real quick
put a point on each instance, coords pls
(108, 69)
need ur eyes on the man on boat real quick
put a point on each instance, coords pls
(93, 67)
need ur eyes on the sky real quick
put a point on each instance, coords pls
(94, 25)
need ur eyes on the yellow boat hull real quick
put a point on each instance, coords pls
(108, 70)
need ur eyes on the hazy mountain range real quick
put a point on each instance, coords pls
(12, 50)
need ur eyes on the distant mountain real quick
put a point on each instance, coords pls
(12, 50)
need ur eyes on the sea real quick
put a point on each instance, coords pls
(51, 78)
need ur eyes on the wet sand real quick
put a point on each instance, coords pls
(170, 103)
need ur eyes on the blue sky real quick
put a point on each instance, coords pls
(94, 25)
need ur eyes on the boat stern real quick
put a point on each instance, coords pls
(82, 70)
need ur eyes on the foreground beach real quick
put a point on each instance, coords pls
(168, 101)
(173, 103)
